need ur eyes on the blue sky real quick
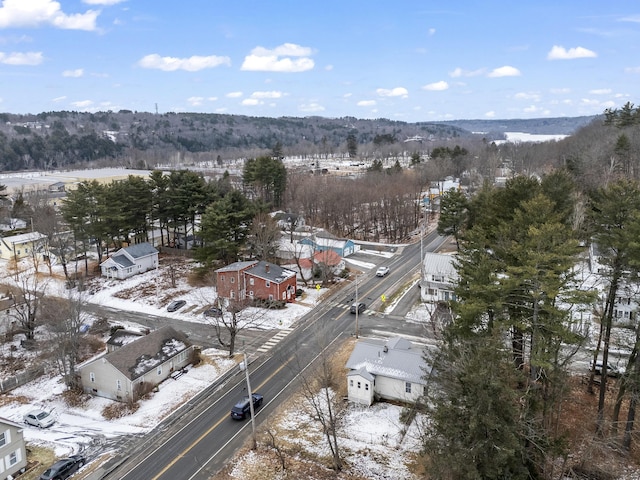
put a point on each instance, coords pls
(406, 60)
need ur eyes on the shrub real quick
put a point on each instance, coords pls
(75, 397)
(119, 410)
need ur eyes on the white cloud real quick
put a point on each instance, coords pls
(272, 94)
(506, 71)
(212, 99)
(527, 96)
(366, 103)
(191, 64)
(600, 91)
(77, 73)
(631, 18)
(328, 68)
(311, 107)
(459, 72)
(279, 59)
(436, 86)
(490, 114)
(560, 91)
(560, 53)
(82, 103)
(632, 70)
(251, 102)
(33, 13)
(234, 95)
(431, 32)
(195, 101)
(18, 58)
(394, 92)
(59, 99)
(347, 95)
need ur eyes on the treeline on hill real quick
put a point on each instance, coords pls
(144, 140)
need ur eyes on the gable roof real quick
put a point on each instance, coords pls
(146, 353)
(23, 238)
(270, 271)
(394, 358)
(236, 266)
(123, 337)
(140, 250)
(439, 263)
(6, 421)
(328, 257)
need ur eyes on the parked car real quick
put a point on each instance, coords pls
(382, 271)
(242, 409)
(63, 468)
(213, 312)
(612, 370)
(176, 305)
(39, 418)
(358, 307)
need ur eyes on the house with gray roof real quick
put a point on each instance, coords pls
(256, 280)
(130, 261)
(390, 369)
(439, 278)
(137, 366)
(13, 451)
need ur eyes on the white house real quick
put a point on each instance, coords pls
(439, 278)
(391, 369)
(130, 261)
(13, 452)
(128, 371)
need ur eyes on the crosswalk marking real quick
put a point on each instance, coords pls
(273, 341)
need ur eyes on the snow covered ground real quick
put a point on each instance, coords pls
(85, 429)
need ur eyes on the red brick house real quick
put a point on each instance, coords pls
(256, 279)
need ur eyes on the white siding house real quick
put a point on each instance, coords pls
(390, 369)
(130, 261)
(13, 452)
(439, 278)
(141, 364)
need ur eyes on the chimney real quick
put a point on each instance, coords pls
(266, 268)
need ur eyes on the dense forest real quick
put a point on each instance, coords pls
(55, 140)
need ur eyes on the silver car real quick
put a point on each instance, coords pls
(39, 418)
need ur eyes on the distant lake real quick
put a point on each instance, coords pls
(518, 137)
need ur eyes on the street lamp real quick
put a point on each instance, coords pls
(245, 366)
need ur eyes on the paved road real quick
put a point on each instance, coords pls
(198, 441)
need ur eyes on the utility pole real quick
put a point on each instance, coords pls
(245, 366)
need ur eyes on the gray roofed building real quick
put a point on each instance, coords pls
(390, 369)
(130, 261)
(148, 360)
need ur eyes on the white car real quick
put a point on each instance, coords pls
(382, 271)
(39, 418)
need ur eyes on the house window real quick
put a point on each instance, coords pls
(250, 293)
(233, 280)
(270, 297)
(92, 377)
(3, 439)
(251, 281)
(159, 370)
(351, 383)
(284, 295)
(267, 283)
(118, 385)
(366, 387)
(359, 385)
(13, 458)
(407, 387)
(222, 278)
(232, 294)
